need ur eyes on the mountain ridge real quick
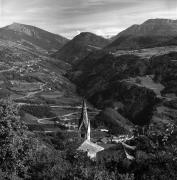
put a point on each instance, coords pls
(32, 35)
(151, 33)
(80, 46)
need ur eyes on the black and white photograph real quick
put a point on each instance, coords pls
(88, 89)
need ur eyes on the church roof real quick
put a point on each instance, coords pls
(90, 147)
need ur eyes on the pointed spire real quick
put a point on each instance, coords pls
(84, 123)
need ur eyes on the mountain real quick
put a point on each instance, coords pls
(99, 77)
(33, 37)
(80, 46)
(37, 84)
(145, 87)
(152, 33)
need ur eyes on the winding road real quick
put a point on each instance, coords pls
(67, 117)
(30, 94)
(7, 70)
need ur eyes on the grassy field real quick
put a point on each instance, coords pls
(148, 82)
(149, 52)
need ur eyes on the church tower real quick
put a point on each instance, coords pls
(84, 130)
(84, 123)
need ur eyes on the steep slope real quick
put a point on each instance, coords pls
(38, 85)
(80, 47)
(32, 37)
(23, 70)
(113, 120)
(101, 78)
(164, 68)
(47, 99)
(153, 32)
(145, 87)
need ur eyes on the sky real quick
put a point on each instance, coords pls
(70, 17)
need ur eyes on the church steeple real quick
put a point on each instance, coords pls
(84, 123)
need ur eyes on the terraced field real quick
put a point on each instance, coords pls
(37, 83)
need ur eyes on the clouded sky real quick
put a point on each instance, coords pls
(70, 17)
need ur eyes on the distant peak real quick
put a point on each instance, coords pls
(15, 24)
(86, 34)
(22, 28)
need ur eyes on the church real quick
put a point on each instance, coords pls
(94, 149)
(84, 131)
